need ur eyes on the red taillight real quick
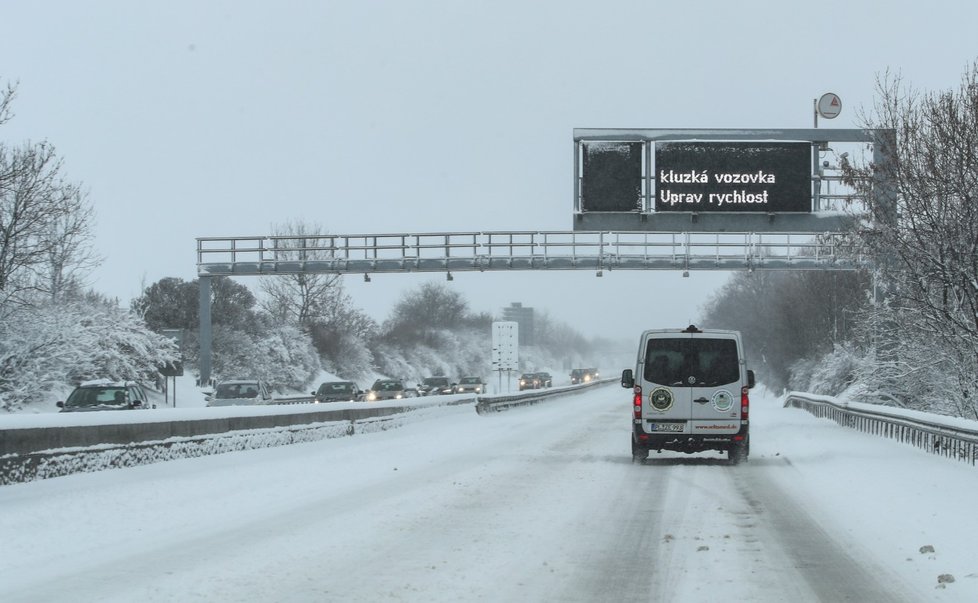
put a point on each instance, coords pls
(637, 401)
(744, 403)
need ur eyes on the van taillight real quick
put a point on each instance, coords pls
(744, 403)
(637, 401)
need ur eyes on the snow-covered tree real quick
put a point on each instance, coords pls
(926, 246)
(45, 221)
(46, 346)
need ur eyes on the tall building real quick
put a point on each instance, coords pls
(524, 316)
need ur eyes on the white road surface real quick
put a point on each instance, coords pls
(535, 504)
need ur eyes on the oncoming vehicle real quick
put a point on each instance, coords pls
(546, 379)
(105, 395)
(338, 391)
(240, 392)
(690, 391)
(583, 375)
(431, 386)
(470, 385)
(529, 381)
(386, 389)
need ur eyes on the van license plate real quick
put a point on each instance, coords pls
(666, 427)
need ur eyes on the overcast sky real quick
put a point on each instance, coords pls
(188, 119)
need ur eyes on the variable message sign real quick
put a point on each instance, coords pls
(769, 177)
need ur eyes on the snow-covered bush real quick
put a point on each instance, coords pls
(284, 356)
(47, 347)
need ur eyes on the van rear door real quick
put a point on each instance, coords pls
(714, 378)
(666, 407)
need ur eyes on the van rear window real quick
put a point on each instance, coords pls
(696, 362)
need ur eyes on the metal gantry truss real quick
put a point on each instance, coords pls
(512, 250)
(525, 250)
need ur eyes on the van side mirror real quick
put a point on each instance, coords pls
(627, 379)
(750, 379)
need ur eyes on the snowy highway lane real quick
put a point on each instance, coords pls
(535, 504)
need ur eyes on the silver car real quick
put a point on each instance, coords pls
(471, 385)
(240, 392)
(386, 389)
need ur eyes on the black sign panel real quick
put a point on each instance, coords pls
(768, 177)
(612, 176)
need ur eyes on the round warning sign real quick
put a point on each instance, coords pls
(829, 106)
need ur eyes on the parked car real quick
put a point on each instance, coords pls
(431, 386)
(529, 381)
(386, 389)
(470, 385)
(240, 392)
(690, 393)
(105, 395)
(338, 391)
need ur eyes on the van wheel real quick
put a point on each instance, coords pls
(737, 454)
(639, 454)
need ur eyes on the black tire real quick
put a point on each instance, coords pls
(639, 454)
(738, 454)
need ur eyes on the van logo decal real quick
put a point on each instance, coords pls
(661, 399)
(723, 400)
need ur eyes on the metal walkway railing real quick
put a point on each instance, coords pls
(525, 250)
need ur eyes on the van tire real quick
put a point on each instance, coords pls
(737, 454)
(639, 454)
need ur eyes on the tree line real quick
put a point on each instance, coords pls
(905, 332)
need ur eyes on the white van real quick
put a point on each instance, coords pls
(690, 393)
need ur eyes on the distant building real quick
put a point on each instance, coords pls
(524, 316)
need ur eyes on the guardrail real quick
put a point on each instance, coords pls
(32, 453)
(934, 434)
(487, 404)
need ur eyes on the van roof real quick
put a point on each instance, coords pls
(697, 331)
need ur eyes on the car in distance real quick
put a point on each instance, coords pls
(436, 386)
(338, 391)
(386, 389)
(529, 381)
(240, 392)
(470, 385)
(583, 375)
(103, 394)
(690, 393)
(546, 380)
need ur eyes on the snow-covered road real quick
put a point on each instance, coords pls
(535, 504)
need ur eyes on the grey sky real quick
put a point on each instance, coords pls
(203, 118)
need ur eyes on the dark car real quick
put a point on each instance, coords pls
(546, 380)
(431, 386)
(338, 391)
(583, 375)
(470, 385)
(386, 389)
(529, 381)
(105, 395)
